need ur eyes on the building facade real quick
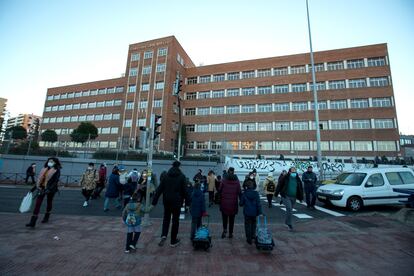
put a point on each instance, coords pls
(263, 106)
(30, 122)
(3, 118)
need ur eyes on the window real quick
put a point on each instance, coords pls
(375, 180)
(337, 84)
(281, 107)
(341, 146)
(337, 65)
(233, 92)
(143, 104)
(160, 68)
(202, 145)
(378, 82)
(381, 102)
(148, 54)
(119, 89)
(264, 108)
(109, 103)
(248, 74)
(299, 87)
(384, 123)
(192, 80)
(265, 145)
(322, 105)
(264, 127)
(205, 79)
(117, 102)
(264, 73)
(232, 127)
(94, 92)
(215, 145)
(134, 56)
(105, 130)
(357, 83)
(116, 116)
(282, 126)
(61, 107)
(202, 128)
(92, 105)
(180, 59)
(76, 106)
(282, 71)
(129, 105)
(283, 145)
(98, 104)
(70, 95)
(361, 124)
(86, 93)
(145, 87)
(300, 106)
(82, 118)
(190, 111)
(102, 91)
(359, 103)
(99, 117)
(110, 90)
(217, 110)
(363, 145)
(162, 52)
(264, 90)
(84, 105)
(279, 89)
(217, 94)
(132, 88)
(298, 69)
(50, 98)
(303, 145)
(386, 146)
(133, 72)
(300, 125)
(376, 61)
(57, 97)
(204, 95)
(217, 127)
(189, 128)
(233, 109)
(219, 77)
(190, 145)
(323, 125)
(340, 124)
(128, 123)
(355, 63)
(319, 86)
(157, 103)
(249, 108)
(319, 67)
(203, 110)
(141, 122)
(52, 119)
(146, 70)
(77, 94)
(247, 91)
(49, 108)
(248, 145)
(191, 96)
(90, 117)
(340, 104)
(233, 76)
(159, 85)
(398, 178)
(55, 108)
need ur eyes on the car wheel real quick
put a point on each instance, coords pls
(354, 203)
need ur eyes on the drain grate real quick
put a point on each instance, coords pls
(362, 223)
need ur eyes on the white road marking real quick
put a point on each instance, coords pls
(302, 216)
(330, 212)
(284, 209)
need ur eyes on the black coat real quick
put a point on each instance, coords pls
(282, 187)
(173, 189)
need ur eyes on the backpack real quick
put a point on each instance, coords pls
(264, 239)
(130, 218)
(133, 177)
(271, 187)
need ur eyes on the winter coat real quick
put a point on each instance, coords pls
(129, 188)
(114, 186)
(309, 178)
(172, 188)
(282, 187)
(268, 180)
(30, 171)
(247, 180)
(230, 193)
(102, 177)
(211, 181)
(50, 184)
(89, 179)
(198, 205)
(251, 202)
(198, 177)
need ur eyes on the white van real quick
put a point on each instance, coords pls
(367, 187)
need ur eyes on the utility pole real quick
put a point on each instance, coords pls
(146, 221)
(315, 100)
(176, 91)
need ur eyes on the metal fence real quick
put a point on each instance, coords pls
(20, 179)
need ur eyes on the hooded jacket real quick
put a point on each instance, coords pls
(251, 202)
(172, 188)
(198, 206)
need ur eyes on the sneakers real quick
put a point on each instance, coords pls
(223, 235)
(176, 243)
(290, 227)
(127, 251)
(132, 247)
(162, 241)
(230, 235)
(249, 241)
(106, 210)
(85, 204)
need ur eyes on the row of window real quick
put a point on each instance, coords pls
(91, 144)
(82, 118)
(289, 70)
(295, 146)
(149, 54)
(290, 106)
(159, 85)
(101, 130)
(286, 88)
(86, 93)
(144, 104)
(293, 125)
(146, 70)
(101, 104)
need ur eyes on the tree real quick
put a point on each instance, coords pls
(16, 132)
(49, 135)
(84, 132)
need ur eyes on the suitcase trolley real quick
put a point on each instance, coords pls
(202, 239)
(264, 240)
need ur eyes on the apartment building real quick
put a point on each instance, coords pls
(30, 122)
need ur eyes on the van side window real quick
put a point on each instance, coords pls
(394, 178)
(376, 180)
(407, 177)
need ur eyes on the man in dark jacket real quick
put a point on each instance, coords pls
(173, 190)
(30, 172)
(309, 181)
(290, 189)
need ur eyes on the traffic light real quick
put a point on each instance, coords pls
(179, 86)
(142, 128)
(157, 126)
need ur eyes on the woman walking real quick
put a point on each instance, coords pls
(47, 185)
(230, 193)
(113, 190)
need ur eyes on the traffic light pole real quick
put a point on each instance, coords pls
(179, 129)
(146, 221)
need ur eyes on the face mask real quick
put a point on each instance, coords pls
(251, 177)
(50, 164)
(293, 174)
(90, 168)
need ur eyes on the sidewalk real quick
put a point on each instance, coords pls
(371, 245)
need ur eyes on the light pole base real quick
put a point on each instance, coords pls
(146, 220)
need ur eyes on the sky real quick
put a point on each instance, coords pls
(47, 43)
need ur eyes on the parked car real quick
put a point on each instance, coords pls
(367, 187)
(334, 180)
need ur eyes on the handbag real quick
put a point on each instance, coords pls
(26, 203)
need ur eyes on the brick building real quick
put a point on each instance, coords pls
(262, 106)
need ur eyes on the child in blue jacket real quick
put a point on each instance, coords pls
(197, 208)
(252, 208)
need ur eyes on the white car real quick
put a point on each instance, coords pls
(367, 187)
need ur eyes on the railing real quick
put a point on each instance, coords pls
(19, 179)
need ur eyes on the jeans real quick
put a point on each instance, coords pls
(250, 227)
(289, 202)
(87, 194)
(132, 239)
(269, 199)
(310, 190)
(195, 224)
(230, 220)
(114, 202)
(175, 212)
(39, 200)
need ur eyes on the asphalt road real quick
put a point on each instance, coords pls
(69, 202)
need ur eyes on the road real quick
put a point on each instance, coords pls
(69, 202)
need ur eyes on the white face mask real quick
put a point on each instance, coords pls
(90, 168)
(50, 164)
(251, 177)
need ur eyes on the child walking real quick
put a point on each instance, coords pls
(252, 208)
(197, 208)
(131, 215)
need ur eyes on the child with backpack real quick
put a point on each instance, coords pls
(269, 187)
(131, 216)
(252, 208)
(197, 208)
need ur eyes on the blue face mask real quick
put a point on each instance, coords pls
(293, 174)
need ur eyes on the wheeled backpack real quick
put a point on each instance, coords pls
(264, 240)
(202, 238)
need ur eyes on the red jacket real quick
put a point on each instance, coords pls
(230, 193)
